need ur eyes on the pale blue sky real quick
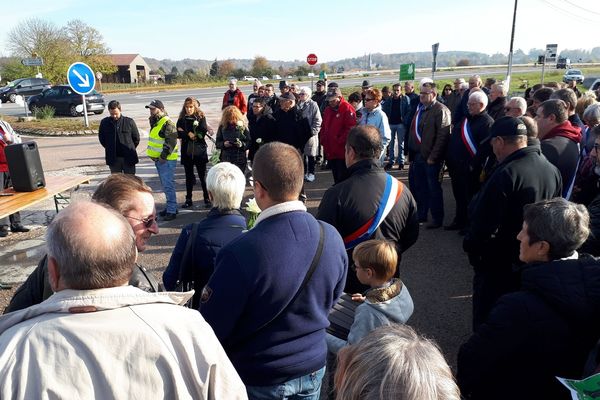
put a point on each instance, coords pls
(289, 30)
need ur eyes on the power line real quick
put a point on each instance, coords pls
(583, 8)
(568, 12)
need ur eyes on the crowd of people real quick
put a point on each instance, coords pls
(525, 177)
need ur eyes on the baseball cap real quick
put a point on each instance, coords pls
(508, 126)
(332, 85)
(156, 104)
(321, 82)
(333, 93)
(283, 84)
(287, 96)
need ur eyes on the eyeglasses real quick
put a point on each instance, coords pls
(425, 93)
(148, 222)
(447, 90)
(507, 109)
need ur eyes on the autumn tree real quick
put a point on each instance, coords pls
(261, 67)
(226, 68)
(87, 44)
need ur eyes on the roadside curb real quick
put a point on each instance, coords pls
(41, 132)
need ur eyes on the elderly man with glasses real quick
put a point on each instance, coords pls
(234, 97)
(132, 198)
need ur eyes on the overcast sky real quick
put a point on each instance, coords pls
(289, 30)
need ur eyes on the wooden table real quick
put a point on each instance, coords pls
(55, 185)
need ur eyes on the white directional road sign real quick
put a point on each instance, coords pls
(81, 78)
(33, 62)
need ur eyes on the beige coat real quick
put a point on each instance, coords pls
(136, 345)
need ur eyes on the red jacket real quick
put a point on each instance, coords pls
(3, 144)
(335, 128)
(238, 100)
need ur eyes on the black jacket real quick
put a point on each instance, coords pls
(37, 286)
(480, 125)
(545, 330)
(496, 212)
(352, 202)
(263, 128)
(186, 124)
(496, 108)
(119, 139)
(292, 128)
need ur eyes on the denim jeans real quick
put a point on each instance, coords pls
(307, 387)
(398, 130)
(424, 182)
(166, 174)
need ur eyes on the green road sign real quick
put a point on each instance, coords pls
(322, 75)
(407, 72)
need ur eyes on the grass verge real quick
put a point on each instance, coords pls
(52, 125)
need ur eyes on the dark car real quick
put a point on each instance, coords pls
(65, 101)
(25, 87)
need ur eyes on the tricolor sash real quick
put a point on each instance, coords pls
(415, 123)
(467, 138)
(391, 194)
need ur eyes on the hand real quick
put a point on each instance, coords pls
(227, 143)
(430, 161)
(180, 129)
(359, 298)
(162, 160)
(191, 135)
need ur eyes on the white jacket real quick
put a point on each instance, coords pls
(135, 345)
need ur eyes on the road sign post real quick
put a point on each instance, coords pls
(82, 80)
(434, 50)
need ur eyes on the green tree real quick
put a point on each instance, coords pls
(214, 69)
(174, 71)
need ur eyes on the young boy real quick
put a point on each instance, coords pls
(388, 300)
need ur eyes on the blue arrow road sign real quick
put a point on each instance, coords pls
(81, 78)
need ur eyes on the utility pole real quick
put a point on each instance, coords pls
(512, 39)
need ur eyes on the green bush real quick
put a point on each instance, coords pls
(46, 112)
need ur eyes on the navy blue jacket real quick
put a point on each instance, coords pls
(214, 232)
(545, 330)
(256, 276)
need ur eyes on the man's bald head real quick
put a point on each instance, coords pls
(279, 170)
(90, 246)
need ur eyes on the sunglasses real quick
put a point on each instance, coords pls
(148, 222)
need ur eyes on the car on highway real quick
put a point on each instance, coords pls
(248, 78)
(24, 87)
(65, 101)
(264, 78)
(573, 75)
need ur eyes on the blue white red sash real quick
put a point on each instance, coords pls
(415, 123)
(467, 138)
(391, 194)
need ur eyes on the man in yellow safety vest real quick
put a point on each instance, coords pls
(162, 149)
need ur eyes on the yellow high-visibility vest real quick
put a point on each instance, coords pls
(155, 142)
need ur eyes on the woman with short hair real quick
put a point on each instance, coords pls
(548, 327)
(226, 185)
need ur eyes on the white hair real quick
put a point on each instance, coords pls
(464, 86)
(424, 81)
(480, 97)
(257, 82)
(305, 89)
(521, 103)
(592, 113)
(226, 183)
(234, 81)
(502, 87)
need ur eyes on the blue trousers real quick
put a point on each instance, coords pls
(398, 130)
(166, 174)
(307, 387)
(424, 182)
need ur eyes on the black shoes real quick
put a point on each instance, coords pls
(4, 231)
(187, 204)
(433, 225)
(13, 228)
(454, 226)
(164, 213)
(169, 217)
(207, 203)
(388, 166)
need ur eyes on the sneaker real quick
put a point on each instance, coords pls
(169, 217)
(310, 177)
(207, 203)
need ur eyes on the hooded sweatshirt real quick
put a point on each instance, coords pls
(561, 147)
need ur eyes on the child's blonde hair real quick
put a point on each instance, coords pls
(379, 255)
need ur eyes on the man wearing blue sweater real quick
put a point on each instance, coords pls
(270, 324)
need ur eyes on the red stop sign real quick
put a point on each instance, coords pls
(311, 59)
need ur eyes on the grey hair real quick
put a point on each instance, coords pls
(464, 86)
(257, 82)
(566, 95)
(521, 103)
(394, 362)
(564, 225)
(305, 89)
(93, 245)
(591, 115)
(502, 87)
(480, 97)
(226, 182)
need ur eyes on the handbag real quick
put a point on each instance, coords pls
(185, 280)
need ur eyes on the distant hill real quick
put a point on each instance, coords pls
(389, 61)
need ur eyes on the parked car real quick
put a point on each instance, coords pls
(248, 78)
(592, 83)
(573, 75)
(276, 77)
(65, 101)
(24, 87)
(264, 78)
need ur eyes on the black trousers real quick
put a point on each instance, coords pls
(338, 169)
(15, 219)
(460, 175)
(121, 166)
(190, 179)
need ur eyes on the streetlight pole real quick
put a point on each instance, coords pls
(512, 39)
